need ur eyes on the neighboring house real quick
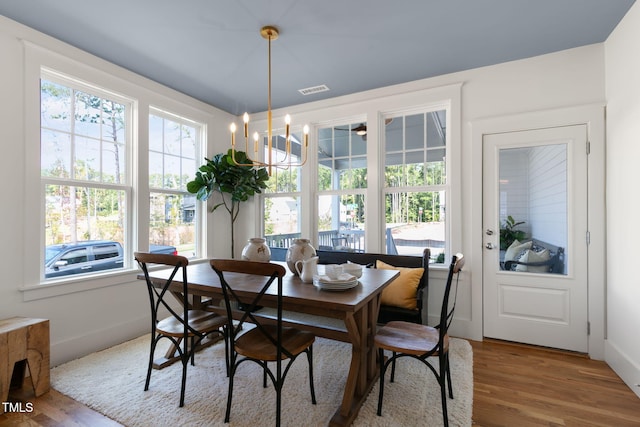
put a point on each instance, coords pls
(607, 74)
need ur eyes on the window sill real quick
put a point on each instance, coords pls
(68, 286)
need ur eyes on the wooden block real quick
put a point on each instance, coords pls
(24, 339)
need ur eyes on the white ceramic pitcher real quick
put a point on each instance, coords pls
(308, 270)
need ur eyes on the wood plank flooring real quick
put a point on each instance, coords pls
(514, 385)
(518, 385)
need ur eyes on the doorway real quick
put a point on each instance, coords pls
(535, 237)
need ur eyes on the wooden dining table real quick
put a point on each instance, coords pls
(349, 316)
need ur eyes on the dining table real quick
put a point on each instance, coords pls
(349, 316)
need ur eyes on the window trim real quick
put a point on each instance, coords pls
(143, 93)
(200, 143)
(422, 188)
(372, 106)
(127, 186)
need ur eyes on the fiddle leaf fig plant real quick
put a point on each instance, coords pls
(230, 183)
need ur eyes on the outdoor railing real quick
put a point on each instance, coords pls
(351, 240)
(354, 240)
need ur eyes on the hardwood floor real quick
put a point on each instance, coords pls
(518, 385)
(514, 385)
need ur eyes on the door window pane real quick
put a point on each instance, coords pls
(533, 209)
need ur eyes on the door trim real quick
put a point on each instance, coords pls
(593, 117)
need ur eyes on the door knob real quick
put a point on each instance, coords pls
(489, 246)
(489, 232)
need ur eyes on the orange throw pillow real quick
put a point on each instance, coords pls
(402, 291)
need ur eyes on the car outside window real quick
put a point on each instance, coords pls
(75, 257)
(105, 252)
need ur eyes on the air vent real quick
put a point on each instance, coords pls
(314, 89)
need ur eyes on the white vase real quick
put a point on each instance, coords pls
(256, 250)
(300, 250)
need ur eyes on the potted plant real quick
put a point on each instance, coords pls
(508, 232)
(233, 184)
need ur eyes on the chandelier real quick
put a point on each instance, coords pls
(270, 33)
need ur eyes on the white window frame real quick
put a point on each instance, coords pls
(95, 73)
(336, 191)
(371, 107)
(446, 187)
(125, 186)
(200, 138)
(262, 197)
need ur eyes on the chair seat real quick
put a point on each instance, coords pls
(409, 338)
(200, 320)
(256, 345)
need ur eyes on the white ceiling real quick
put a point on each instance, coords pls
(212, 50)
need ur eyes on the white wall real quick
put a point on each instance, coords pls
(623, 200)
(83, 321)
(116, 308)
(550, 82)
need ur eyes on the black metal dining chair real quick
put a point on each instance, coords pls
(264, 342)
(185, 328)
(421, 342)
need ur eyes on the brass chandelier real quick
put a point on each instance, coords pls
(270, 33)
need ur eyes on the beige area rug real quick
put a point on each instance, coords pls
(112, 383)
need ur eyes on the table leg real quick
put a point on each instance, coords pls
(362, 370)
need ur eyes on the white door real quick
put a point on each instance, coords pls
(535, 190)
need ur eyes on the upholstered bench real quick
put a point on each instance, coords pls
(406, 298)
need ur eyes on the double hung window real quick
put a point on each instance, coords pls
(342, 183)
(173, 149)
(91, 199)
(282, 197)
(84, 163)
(415, 183)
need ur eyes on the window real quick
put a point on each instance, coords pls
(342, 182)
(416, 184)
(173, 148)
(84, 165)
(384, 177)
(281, 199)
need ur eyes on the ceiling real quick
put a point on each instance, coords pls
(213, 51)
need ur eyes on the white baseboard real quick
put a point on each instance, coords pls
(623, 366)
(96, 340)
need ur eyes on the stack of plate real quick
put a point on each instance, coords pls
(343, 282)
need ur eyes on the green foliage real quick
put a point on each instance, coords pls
(233, 183)
(508, 232)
